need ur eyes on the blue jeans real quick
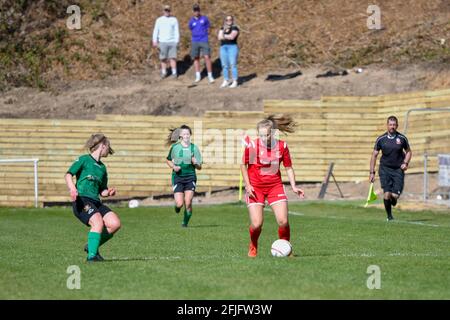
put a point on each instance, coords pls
(229, 58)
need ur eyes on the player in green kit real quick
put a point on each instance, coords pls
(184, 158)
(92, 181)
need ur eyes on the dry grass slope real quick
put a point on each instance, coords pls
(36, 46)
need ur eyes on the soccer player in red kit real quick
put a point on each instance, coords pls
(261, 172)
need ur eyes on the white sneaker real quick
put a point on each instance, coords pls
(234, 84)
(225, 84)
(211, 80)
(197, 80)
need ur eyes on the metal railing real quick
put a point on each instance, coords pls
(421, 110)
(35, 162)
(426, 155)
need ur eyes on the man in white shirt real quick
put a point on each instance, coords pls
(166, 36)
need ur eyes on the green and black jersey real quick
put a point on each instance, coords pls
(182, 157)
(92, 177)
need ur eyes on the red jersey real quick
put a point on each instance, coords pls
(264, 163)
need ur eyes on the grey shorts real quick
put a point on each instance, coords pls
(200, 49)
(167, 50)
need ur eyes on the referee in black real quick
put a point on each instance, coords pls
(396, 155)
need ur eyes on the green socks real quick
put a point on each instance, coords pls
(93, 243)
(187, 217)
(105, 236)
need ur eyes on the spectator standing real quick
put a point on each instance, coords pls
(199, 26)
(166, 36)
(229, 51)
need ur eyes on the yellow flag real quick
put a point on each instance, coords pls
(372, 196)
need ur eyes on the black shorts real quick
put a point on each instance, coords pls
(392, 180)
(84, 208)
(182, 184)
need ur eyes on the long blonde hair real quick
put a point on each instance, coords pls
(284, 123)
(95, 140)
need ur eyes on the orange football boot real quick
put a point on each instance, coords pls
(252, 251)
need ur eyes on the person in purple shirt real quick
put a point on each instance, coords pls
(199, 26)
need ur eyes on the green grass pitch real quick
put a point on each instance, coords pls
(152, 257)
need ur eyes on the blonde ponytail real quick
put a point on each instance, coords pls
(282, 122)
(95, 140)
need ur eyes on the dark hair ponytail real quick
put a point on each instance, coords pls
(174, 134)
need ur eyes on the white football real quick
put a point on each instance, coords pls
(281, 248)
(133, 203)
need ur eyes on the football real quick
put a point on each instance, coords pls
(281, 248)
(133, 203)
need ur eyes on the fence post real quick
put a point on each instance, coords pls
(425, 176)
(36, 191)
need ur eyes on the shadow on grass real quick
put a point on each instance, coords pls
(247, 78)
(419, 220)
(204, 226)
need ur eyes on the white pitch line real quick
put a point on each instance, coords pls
(119, 259)
(395, 254)
(400, 254)
(290, 212)
(418, 223)
(296, 213)
(349, 255)
(141, 258)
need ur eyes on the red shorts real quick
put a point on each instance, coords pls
(273, 194)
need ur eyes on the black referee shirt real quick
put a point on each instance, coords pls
(393, 149)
